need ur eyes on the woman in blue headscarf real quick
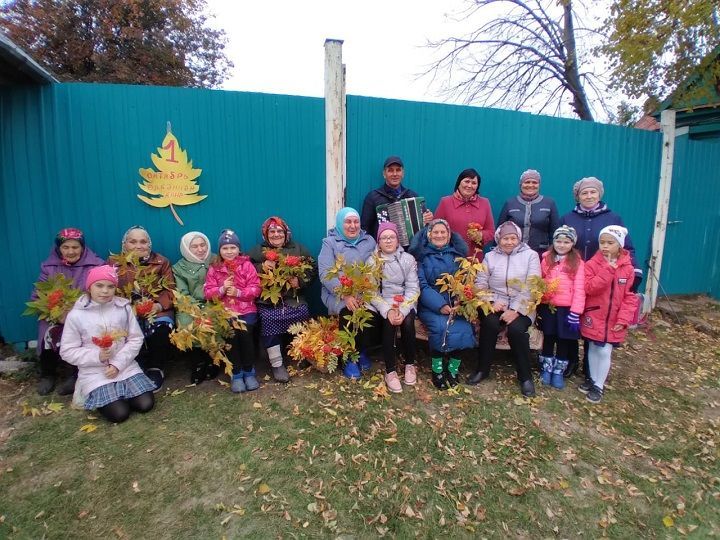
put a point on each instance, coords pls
(350, 241)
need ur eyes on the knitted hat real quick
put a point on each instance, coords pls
(99, 273)
(228, 236)
(387, 226)
(588, 182)
(69, 233)
(507, 228)
(530, 174)
(274, 221)
(185, 242)
(617, 232)
(566, 231)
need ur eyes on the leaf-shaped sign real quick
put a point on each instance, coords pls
(174, 181)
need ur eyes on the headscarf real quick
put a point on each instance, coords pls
(185, 242)
(68, 233)
(143, 260)
(277, 222)
(431, 226)
(340, 217)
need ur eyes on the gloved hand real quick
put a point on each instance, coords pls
(573, 321)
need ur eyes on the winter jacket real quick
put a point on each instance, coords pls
(459, 214)
(245, 280)
(570, 291)
(76, 272)
(88, 319)
(190, 281)
(432, 263)
(608, 299)
(332, 246)
(589, 223)
(383, 195)
(161, 266)
(291, 248)
(506, 276)
(538, 220)
(400, 276)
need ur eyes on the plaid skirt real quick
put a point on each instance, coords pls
(276, 320)
(125, 389)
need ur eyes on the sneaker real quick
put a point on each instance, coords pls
(251, 382)
(594, 395)
(364, 362)
(586, 387)
(45, 385)
(393, 382)
(351, 370)
(67, 387)
(237, 384)
(280, 374)
(157, 376)
(410, 374)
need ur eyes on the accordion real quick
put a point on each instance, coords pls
(407, 214)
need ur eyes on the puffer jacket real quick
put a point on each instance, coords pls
(290, 298)
(190, 281)
(245, 280)
(332, 246)
(161, 266)
(506, 275)
(400, 277)
(88, 319)
(432, 263)
(570, 291)
(608, 299)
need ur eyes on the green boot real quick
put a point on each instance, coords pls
(452, 371)
(438, 378)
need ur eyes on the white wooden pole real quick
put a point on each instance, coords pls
(334, 129)
(667, 123)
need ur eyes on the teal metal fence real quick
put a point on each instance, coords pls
(70, 154)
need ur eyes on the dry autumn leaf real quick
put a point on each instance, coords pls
(88, 428)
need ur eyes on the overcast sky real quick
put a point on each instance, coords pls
(277, 46)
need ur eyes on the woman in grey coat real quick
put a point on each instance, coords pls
(396, 303)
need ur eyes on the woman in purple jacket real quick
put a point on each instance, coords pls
(70, 257)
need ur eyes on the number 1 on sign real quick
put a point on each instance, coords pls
(171, 146)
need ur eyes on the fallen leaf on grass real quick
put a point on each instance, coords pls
(223, 383)
(55, 407)
(263, 489)
(40, 514)
(136, 486)
(88, 428)
(177, 392)
(257, 405)
(668, 521)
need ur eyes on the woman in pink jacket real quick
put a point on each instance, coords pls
(564, 273)
(233, 279)
(609, 305)
(102, 338)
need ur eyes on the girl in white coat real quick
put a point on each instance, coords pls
(102, 338)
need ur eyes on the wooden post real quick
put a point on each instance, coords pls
(334, 129)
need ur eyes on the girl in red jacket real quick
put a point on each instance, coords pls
(232, 278)
(609, 305)
(563, 270)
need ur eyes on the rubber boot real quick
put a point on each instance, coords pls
(558, 374)
(453, 367)
(438, 378)
(547, 363)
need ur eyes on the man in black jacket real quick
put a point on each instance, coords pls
(392, 190)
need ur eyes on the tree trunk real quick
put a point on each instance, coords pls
(580, 101)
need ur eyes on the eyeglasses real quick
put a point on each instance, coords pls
(387, 238)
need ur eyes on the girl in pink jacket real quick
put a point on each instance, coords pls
(233, 279)
(102, 338)
(609, 305)
(559, 314)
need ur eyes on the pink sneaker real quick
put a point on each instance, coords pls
(410, 374)
(393, 383)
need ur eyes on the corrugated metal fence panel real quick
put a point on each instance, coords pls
(71, 153)
(438, 141)
(691, 262)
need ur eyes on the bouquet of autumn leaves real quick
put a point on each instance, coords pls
(467, 296)
(275, 282)
(211, 327)
(141, 290)
(55, 298)
(539, 289)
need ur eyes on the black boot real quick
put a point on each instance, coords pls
(439, 380)
(67, 386)
(478, 377)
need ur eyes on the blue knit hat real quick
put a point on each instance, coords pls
(228, 236)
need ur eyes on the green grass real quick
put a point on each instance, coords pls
(325, 458)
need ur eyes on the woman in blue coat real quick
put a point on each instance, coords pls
(436, 247)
